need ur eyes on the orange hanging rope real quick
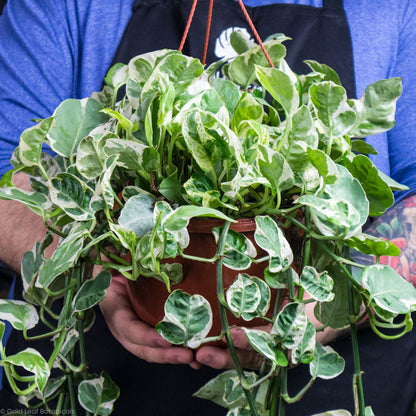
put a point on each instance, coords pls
(256, 35)
(208, 30)
(188, 25)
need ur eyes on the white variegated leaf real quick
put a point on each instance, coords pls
(19, 313)
(271, 238)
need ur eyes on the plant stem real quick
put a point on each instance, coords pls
(306, 248)
(358, 383)
(274, 391)
(72, 394)
(224, 320)
(283, 391)
(201, 259)
(58, 408)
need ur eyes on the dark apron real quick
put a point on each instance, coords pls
(321, 34)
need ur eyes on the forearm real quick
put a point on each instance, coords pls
(398, 225)
(20, 228)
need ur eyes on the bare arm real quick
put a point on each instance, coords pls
(399, 226)
(20, 228)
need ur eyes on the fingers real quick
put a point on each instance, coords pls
(136, 336)
(219, 358)
(240, 339)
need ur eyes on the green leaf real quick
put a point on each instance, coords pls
(201, 191)
(31, 141)
(264, 303)
(207, 147)
(141, 66)
(90, 156)
(326, 364)
(117, 75)
(264, 343)
(2, 329)
(243, 295)
(333, 217)
(371, 245)
(239, 251)
(274, 167)
(343, 208)
(21, 315)
(334, 413)
(126, 236)
(270, 238)
(35, 201)
(92, 292)
(137, 214)
(181, 70)
(330, 103)
(369, 411)
(280, 87)
(336, 313)
(225, 389)
(318, 285)
(72, 195)
(74, 120)
(280, 280)
(348, 188)
(361, 146)
(377, 107)
(32, 361)
(240, 41)
(324, 164)
(328, 73)
(303, 128)
(293, 329)
(104, 193)
(246, 176)
(304, 351)
(98, 395)
(252, 134)
(242, 69)
(239, 411)
(187, 320)
(228, 91)
(378, 192)
(126, 124)
(179, 218)
(130, 153)
(64, 257)
(394, 186)
(248, 108)
(388, 289)
(171, 188)
(52, 386)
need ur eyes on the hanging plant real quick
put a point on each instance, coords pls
(130, 176)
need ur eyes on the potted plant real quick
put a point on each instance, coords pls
(168, 145)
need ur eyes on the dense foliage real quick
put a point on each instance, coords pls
(167, 140)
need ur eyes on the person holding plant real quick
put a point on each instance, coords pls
(42, 64)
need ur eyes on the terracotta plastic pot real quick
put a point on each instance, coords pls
(148, 295)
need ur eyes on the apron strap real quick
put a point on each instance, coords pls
(333, 4)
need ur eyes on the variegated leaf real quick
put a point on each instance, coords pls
(187, 320)
(270, 238)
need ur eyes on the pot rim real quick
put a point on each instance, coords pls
(205, 225)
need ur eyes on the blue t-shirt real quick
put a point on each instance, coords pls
(53, 50)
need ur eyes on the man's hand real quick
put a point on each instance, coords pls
(136, 336)
(220, 358)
